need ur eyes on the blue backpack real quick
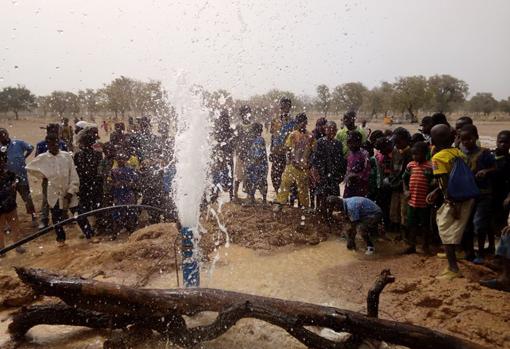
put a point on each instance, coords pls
(461, 183)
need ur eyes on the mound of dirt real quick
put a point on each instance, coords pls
(14, 293)
(461, 306)
(260, 228)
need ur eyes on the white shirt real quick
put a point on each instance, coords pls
(61, 174)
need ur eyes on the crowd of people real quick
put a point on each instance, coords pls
(79, 174)
(439, 185)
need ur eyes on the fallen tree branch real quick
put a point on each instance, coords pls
(382, 280)
(162, 310)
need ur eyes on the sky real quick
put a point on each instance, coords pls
(249, 47)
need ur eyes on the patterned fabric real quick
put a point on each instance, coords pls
(418, 177)
(442, 161)
(300, 145)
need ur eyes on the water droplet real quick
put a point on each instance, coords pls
(1, 78)
(14, 2)
(60, 31)
(57, 67)
(16, 67)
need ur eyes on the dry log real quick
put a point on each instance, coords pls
(382, 280)
(162, 310)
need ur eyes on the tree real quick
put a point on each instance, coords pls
(378, 100)
(62, 102)
(483, 102)
(349, 96)
(119, 95)
(411, 94)
(323, 99)
(43, 103)
(90, 101)
(504, 105)
(447, 92)
(16, 99)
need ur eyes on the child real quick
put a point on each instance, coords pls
(124, 183)
(363, 213)
(8, 212)
(358, 167)
(256, 165)
(452, 217)
(501, 179)
(299, 146)
(384, 149)
(328, 166)
(400, 157)
(417, 184)
(482, 163)
(241, 141)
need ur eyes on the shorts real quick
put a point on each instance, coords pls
(418, 217)
(503, 249)
(369, 225)
(451, 229)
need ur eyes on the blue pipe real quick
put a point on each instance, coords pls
(190, 266)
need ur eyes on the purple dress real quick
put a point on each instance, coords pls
(358, 173)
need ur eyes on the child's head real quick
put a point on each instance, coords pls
(419, 151)
(384, 145)
(426, 124)
(301, 121)
(441, 136)
(285, 105)
(52, 129)
(354, 140)
(439, 119)
(401, 138)
(349, 120)
(4, 136)
(335, 203)
(469, 136)
(320, 124)
(52, 141)
(503, 142)
(417, 137)
(65, 121)
(256, 129)
(122, 158)
(462, 121)
(330, 129)
(375, 135)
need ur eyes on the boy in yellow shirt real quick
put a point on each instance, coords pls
(452, 217)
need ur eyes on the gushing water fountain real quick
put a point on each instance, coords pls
(192, 152)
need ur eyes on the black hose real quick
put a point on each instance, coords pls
(72, 219)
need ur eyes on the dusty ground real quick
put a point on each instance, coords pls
(269, 255)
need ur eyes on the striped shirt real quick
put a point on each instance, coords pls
(418, 177)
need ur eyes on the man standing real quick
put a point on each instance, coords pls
(349, 121)
(281, 126)
(17, 152)
(41, 148)
(58, 168)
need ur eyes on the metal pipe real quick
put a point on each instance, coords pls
(46, 230)
(190, 265)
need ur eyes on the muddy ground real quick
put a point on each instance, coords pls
(267, 254)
